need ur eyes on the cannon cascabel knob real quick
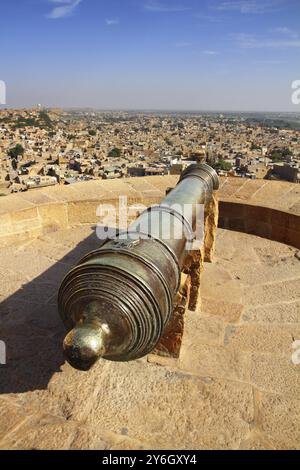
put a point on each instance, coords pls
(83, 346)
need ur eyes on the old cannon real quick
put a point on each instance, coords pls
(117, 302)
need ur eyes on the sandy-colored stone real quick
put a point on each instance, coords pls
(276, 374)
(279, 418)
(282, 312)
(284, 268)
(53, 216)
(171, 340)
(217, 282)
(262, 294)
(248, 190)
(228, 311)
(208, 329)
(83, 212)
(265, 208)
(256, 441)
(10, 417)
(46, 432)
(211, 224)
(14, 203)
(151, 409)
(214, 361)
(261, 338)
(234, 385)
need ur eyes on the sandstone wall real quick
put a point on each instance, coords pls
(269, 209)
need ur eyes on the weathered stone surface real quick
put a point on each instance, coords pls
(10, 417)
(151, 409)
(233, 387)
(214, 361)
(284, 312)
(209, 329)
(279, 418)
(170, 343)
(261, 338)
(261, 294)
(265, 208)
(53, 216)
(211, 224)
(284, 268)
(276, 374)
(230, 312)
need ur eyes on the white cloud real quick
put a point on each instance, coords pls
(210, 52)
(249, 41)
(159, 7)
(285, 31)
(246, 6)
(65, 8)
(112, 21)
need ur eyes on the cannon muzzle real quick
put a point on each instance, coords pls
(117, 302)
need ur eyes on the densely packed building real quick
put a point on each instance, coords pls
(40, 147)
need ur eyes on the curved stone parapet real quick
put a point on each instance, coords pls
(270, 209)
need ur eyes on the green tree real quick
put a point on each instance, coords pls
(44, 116)
(16, 151)
(280, 154)
(221, 164)
(115, 153)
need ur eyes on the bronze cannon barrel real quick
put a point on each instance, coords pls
(118, 300)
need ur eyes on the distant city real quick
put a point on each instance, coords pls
(42, 147)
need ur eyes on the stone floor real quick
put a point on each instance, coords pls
(234, 386)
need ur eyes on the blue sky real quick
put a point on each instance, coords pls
(148, 54)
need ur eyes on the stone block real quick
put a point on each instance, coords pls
(170, 343)
(168, 409)
(285, 312)
(214, 361)
(10, 415)
(279, 419)
(84, 212)
(261, 338)
(230, 312)
(276, 374)
(53, 216)
(24, 215)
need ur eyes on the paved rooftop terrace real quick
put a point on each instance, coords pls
(233, 387)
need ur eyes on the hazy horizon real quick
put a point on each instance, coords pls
(143, 110)
(166, 55)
